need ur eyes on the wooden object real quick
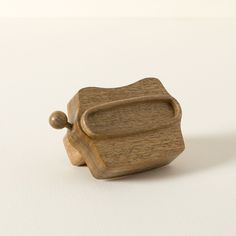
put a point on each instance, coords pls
(121, 131)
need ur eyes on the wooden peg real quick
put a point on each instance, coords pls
(58, 120)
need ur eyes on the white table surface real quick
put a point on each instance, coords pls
(44, 62)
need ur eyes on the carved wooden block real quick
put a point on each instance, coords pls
(121, 131)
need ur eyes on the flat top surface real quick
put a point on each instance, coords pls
(45, 62)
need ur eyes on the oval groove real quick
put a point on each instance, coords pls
(130, 116)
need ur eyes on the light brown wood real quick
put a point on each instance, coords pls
(73, 154)
(124, 130)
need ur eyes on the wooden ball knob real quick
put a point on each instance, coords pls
(58, 120)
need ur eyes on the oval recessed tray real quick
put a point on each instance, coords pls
(130, 116)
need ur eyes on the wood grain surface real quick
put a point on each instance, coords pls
(121, 131)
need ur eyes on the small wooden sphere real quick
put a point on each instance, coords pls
(58, 120)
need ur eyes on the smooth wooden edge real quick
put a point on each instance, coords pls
(151, 79)
(74, 154)
(85, 123)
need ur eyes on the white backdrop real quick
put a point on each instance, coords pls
(119, 8)
(43, 64)
(49, 49)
